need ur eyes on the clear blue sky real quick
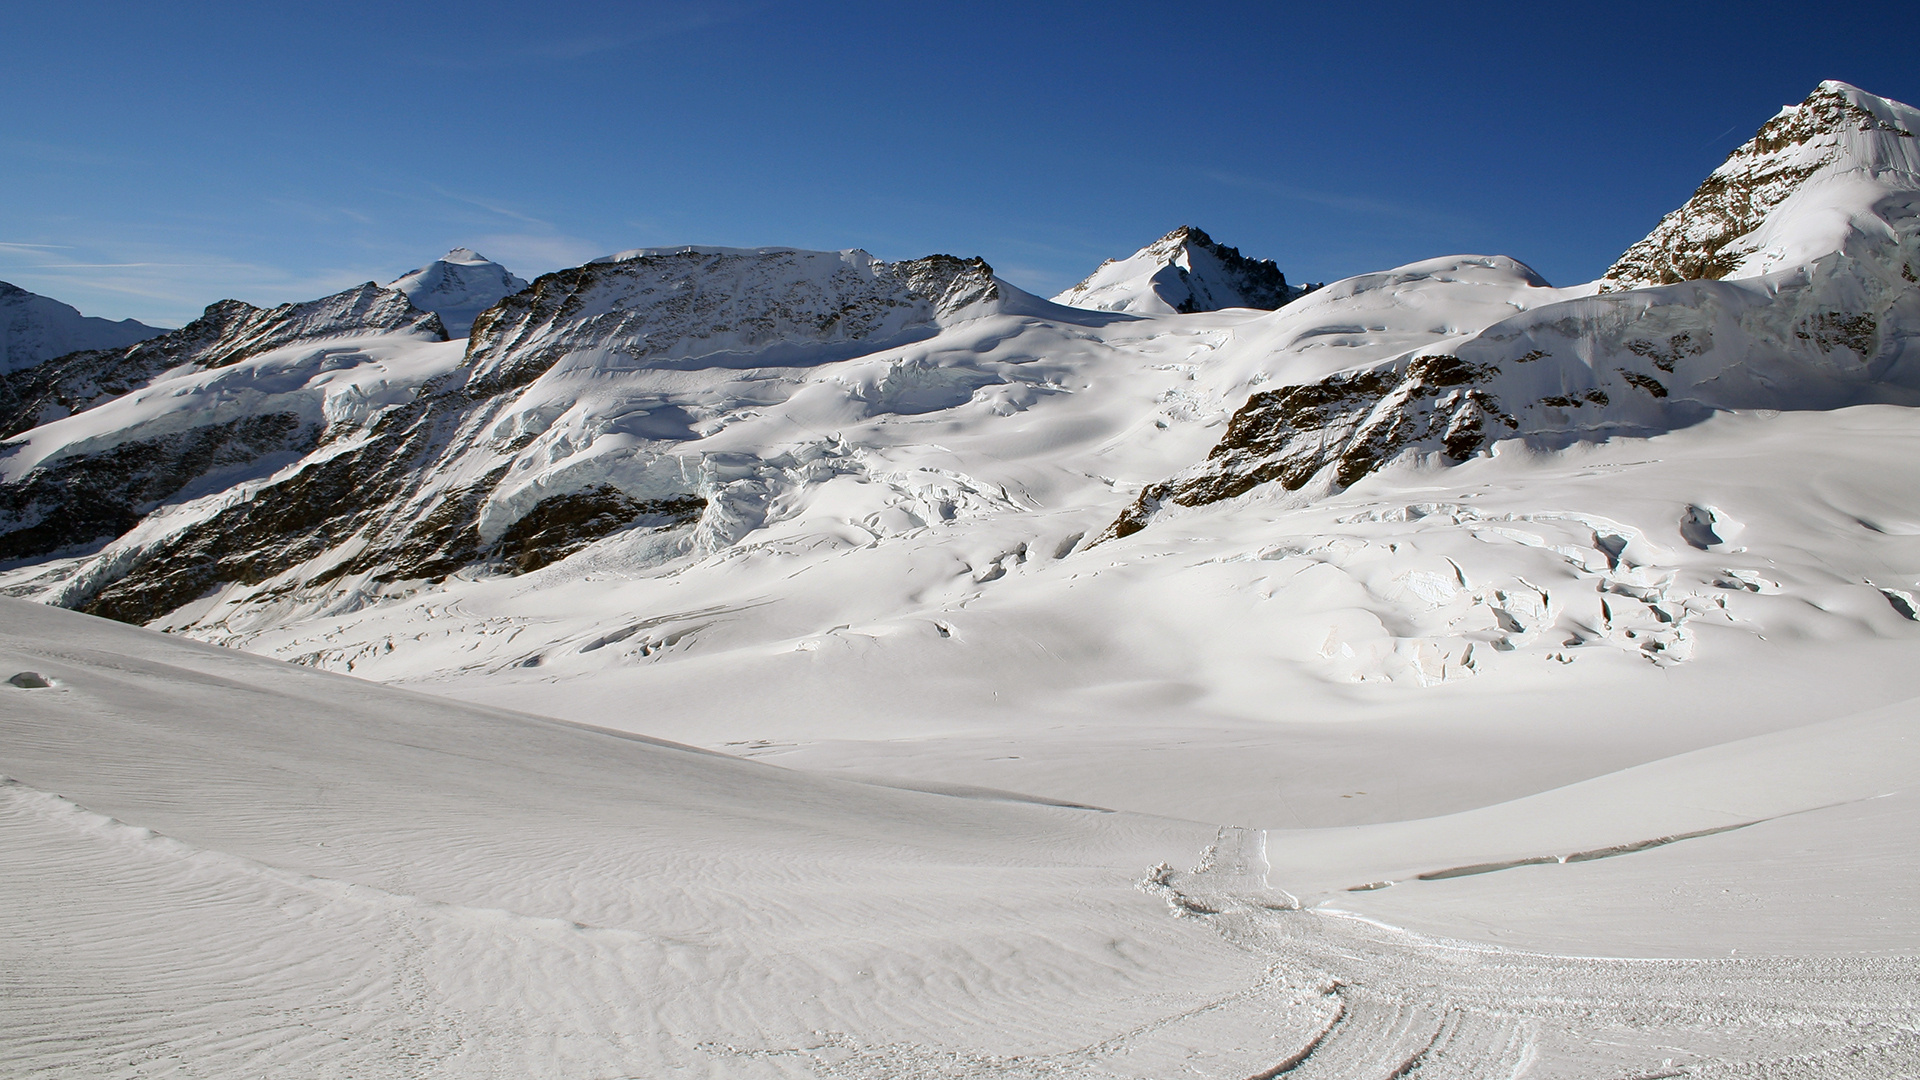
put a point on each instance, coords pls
(157, 157)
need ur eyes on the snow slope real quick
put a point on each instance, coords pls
(261, 869)
(458, 287)
(35, 328)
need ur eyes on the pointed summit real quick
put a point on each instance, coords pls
(1183, 271)
(1750, 216)
(458, 287)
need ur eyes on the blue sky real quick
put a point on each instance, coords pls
(158, 157)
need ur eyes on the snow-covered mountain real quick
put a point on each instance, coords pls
(1464, 611)
(458, 287)
(1811, 179)
(98, 440)
(35, 328)
(677, 403)
(547, 432)
(1184, 271)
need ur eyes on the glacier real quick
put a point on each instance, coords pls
(774, 662)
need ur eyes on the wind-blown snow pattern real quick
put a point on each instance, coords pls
(1184, 271)
(35, 328)
(458, 287)
(1442, 674)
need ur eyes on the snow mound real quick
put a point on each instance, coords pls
(458, 287)
(1184, 271)
(35, 328)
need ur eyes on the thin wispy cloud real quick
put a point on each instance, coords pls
(489, 206)
(537, 253)
(1354, 204)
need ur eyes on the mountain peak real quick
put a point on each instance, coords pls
(1740, 223)
(34, 328)
(1184, 271)
(459, 287)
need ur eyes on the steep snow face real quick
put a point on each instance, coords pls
(564, 423)
(458, 287)
(1792, 193)
(1184, 271)
(698, 307)
(35, 328)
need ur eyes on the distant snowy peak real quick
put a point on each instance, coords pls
(1745, 220)
(660, 306)
(35, 328)
(459, 287)
(1182, 272)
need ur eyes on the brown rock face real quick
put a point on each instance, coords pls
(557, 527)
(1343, 426)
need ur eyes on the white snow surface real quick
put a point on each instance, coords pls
(457, 287)
(1590, 756)
(218, 864)
(35, 328)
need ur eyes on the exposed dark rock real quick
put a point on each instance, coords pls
(563, 524)
(1344, 425)
(1645, 382)
(1832, 330)
(88, 498)
(1665, 354)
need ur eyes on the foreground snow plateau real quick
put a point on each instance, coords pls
(260, 869)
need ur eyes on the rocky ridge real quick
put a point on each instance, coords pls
(228, 332)
(1838, 131)
(700, 307)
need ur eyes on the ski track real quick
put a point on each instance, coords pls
(126, 975)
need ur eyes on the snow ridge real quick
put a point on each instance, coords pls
(34, 328)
